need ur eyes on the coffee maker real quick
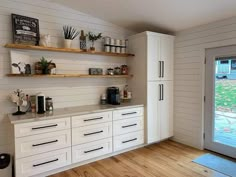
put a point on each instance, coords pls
(40, 103)
(113, 95)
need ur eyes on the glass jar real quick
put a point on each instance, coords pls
(49, 104)
(117, 71)
(124, 69)
(110, 71)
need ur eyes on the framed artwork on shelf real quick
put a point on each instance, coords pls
(20, 62)
(25, 30)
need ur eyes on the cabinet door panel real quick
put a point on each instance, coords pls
(167, 47)
(153, 58)
(167, 110)
(153, 112)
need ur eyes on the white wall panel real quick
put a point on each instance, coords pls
(190, 48)
(66, 92)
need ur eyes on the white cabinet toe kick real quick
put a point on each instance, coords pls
(45, 146)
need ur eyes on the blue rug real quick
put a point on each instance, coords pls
(217, 163)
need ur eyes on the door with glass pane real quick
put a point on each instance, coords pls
(220, 103)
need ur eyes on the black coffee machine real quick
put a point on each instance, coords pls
(113, 95)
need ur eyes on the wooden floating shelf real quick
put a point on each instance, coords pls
(68, 50)
(68, 75)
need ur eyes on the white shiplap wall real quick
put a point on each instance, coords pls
(65, 92)
(189, 67)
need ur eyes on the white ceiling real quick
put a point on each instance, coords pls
(155, 15)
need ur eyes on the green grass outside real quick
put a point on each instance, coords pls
(225, 92)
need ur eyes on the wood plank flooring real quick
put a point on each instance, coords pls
(165, 159)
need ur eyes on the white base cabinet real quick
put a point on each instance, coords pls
(47, 145)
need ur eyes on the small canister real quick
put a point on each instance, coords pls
(112, 41)
(122, 43)
(117, 49)
(117, 71)
(117, 43)
(49, 104)
(107, 40)
(124, 69)
(107, 48)
(123, 50)
(113, 49)
(110, 71)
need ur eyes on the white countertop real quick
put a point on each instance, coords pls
(67, 112)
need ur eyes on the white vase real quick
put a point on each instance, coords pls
(67, 43)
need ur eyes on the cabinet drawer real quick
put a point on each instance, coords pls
(91, 133)
(127, 113)
(91, 150)
(127, 125)
(90, 119)
(44, 126)
(37, 164)
(32, 145)
(128, 140)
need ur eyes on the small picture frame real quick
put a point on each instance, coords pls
(20, 62)
(25, 30)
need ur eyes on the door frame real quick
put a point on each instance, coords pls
(211, 56)
(202, 55)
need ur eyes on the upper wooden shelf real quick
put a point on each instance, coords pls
(69, 50)
(68, 75)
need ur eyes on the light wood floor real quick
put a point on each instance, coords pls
(166, 159)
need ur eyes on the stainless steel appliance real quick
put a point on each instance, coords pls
(113, 95)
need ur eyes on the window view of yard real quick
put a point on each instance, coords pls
(225, 111)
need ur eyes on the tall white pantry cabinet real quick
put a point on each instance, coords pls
(152, 82)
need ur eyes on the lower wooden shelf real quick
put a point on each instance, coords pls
(68, 75)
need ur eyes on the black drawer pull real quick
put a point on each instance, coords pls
(129, 125)
(40, 144)
(48, 126)
(93, 133)
(93, 150)
(93, 119)
(45, 163)
(129, 140)
(129, 113)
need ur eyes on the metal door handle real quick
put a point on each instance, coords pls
(129, 125)
(163, 69)
(48, 126)
(162, 91)
(40, 144)
(87, 134)
(129, 140)
(36, 165)
(160, 69)
(93, 150)
(159, 92)
(93, 119)
(129, 113)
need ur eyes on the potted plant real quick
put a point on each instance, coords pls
(45, 65)
(93, 37)
(70, 34)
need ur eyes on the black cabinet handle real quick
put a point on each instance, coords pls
(93, 119)
(162, 91)
(93, 150)
(160, 70)
(159, 92)
(40, 144)
(87, 134)
(129, 125)
(48, 126)
(163, 68)
(36, 165)
(129, 113)
(129, 140)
